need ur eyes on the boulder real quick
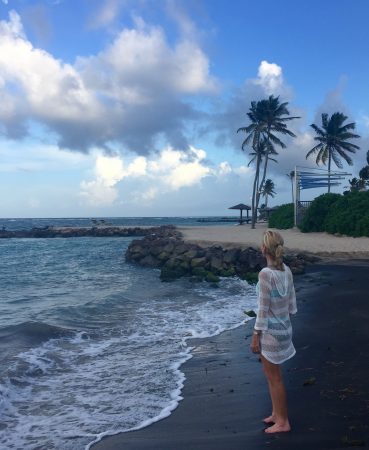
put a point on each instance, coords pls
(231, 255)
(149, 261)
(198, 262)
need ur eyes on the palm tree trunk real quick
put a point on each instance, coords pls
(260, 187)
(329, 171)
(254, 193)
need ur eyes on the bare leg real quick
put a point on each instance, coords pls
(270, 419)
(278, 395)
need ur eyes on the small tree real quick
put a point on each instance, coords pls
(268, 190)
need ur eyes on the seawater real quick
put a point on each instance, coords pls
(91, 345)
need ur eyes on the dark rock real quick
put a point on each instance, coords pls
(163, 256)
(199, 272)
(231, 272)
(212, 278)
(149, 261)
(190, 254)
(169, 274)
(216, 263)
(181, 248)
(164, 248)
(231, 256)
(196, 262)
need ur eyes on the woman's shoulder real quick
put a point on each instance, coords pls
(265, 274)
(287, 269)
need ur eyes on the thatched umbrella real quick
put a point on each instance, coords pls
(242, 207)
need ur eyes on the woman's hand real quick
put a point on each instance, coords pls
(255, 343)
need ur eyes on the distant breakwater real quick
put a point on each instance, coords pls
(68, 232)
(166, 249)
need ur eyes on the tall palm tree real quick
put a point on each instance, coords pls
(333, 141)
(268, 190)
(267, 119)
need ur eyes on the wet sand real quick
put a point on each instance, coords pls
(225, 393)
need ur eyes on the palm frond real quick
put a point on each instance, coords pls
(313, 150)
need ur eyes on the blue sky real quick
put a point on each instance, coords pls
(130, 108)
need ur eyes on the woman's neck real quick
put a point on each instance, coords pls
(271, 262)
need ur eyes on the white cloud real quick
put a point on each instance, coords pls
(132, 92)
(5, 2)
(108, 172)
(170, 170)
(117, 180)
(38, 86)
(270, 77)
(224, 168)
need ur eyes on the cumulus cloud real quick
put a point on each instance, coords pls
(270, 78)
(148, 178)
(108, 172)
(132, 93)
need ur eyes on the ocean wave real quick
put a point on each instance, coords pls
(32, 332)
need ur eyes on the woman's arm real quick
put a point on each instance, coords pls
(292, 307)
(261, 322)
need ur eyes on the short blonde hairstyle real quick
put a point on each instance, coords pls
(273, 243)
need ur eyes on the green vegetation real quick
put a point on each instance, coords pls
(343, 214)
(282, 218)
(350, 215)
(317, 213)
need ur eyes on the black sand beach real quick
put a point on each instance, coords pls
(225, 393)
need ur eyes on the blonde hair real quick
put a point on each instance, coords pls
(273, 243)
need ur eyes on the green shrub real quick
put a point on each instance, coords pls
(282, 218)
(350, 215)
(317, 213)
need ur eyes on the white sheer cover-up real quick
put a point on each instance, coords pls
(276, 301)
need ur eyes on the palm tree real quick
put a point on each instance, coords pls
(333, 142)
(268, 190)
(291, 176)
(267, 118)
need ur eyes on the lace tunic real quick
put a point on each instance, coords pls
(276, 301)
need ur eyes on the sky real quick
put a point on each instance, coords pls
(121, 108)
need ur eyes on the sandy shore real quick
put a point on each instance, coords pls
(225, 393)
(321, 244)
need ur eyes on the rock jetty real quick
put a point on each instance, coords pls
(166, 249)
(67, 232)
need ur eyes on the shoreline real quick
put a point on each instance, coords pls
(225, 394)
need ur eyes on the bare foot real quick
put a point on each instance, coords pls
(270, 419)
(278, 428)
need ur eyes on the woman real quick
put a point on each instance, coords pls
(272, 335)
